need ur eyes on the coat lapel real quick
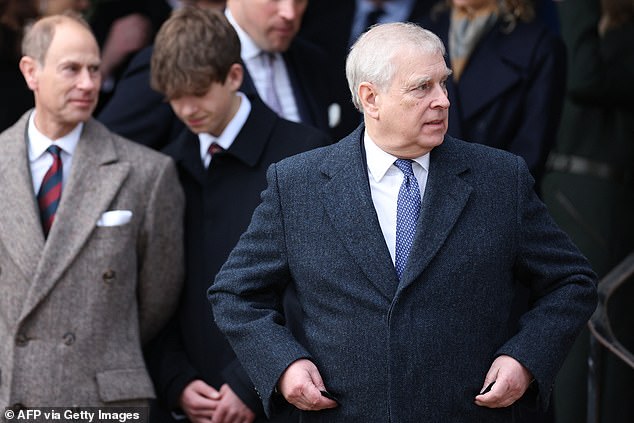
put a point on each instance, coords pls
(491, 71)
(495, 67)
(95, 178)
(348, 202)
(20, 226)
(446, 195)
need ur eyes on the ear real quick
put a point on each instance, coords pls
(235, 76)
(368, 96)
(29, 68)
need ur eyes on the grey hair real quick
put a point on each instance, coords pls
(371, 56)
(39, 34)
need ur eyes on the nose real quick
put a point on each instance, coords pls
(184, 107)
(88, 80)
(441, 99)
(290, 10)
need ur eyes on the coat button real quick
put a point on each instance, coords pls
(21, 340)
(69, 338)
(17, 406)
(109, 275)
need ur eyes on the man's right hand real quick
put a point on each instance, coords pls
(199, 401)
(301, 384)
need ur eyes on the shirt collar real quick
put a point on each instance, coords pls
(230, 133)
(248, 48)
(38, 142)
(379, 162)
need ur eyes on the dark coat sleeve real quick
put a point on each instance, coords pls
(246, 297)
(562, 286)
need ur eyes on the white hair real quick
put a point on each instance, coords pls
(370, 58)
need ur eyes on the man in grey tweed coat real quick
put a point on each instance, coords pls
(435, 340)
(78, 300)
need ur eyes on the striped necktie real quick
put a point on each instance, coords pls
(51, 190)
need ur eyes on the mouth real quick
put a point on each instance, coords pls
(286, 31)
(438, 122)
(84, 102)
(195, 122)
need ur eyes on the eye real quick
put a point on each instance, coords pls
(423, 87)
(71, 67)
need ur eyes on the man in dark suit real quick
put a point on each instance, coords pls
(222, 159)
(138, 112)
(97, 272)
(405, 247)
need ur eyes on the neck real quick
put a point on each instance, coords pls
(52, 130)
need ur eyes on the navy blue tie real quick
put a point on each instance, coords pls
(407, 211)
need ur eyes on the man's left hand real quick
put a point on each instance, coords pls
(231, 409)
(511, 381)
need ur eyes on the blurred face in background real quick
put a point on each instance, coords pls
(272, 24)
(473, 4)
(16, 13)
(211, 4)
(55, 7)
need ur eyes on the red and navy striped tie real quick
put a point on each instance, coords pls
(51, 190)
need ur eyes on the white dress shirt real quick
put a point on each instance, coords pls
(258, 70)
(230, 132)
(40, 160)
(385, 182)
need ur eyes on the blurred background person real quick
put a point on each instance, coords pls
(16, 97)
(508, 77)
(589, 187)
(334, 25)
(222, 158)
(56, 7)
(297, 81)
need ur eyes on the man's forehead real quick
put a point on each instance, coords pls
(72, 41)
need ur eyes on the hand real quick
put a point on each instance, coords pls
(231, 409)
(199, 401)
(301, 384)
(511, 381)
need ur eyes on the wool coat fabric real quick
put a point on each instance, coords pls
(76, 307)
(416, 349)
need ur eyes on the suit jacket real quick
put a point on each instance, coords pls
(418, 349)
(138, 112)
(75, 309)
(510, 94)
(220, 201)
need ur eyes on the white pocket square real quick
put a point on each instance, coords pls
(115, 218)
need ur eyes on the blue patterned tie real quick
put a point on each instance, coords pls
(51, 190)
(407, 211)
